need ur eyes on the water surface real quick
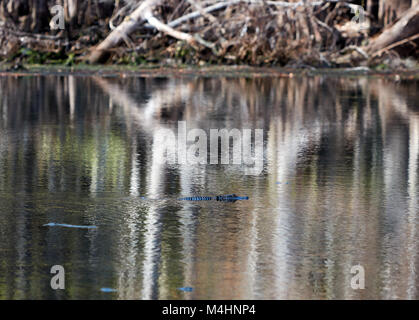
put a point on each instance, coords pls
(339, 187)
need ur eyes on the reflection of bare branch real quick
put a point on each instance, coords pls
(147, 113)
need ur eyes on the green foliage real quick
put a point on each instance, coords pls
(30, 56)
(382, 67)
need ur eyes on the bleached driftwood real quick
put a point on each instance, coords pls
(123, 30)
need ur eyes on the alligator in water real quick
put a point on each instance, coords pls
(224, 198)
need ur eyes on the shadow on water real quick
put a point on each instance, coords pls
(339, 188)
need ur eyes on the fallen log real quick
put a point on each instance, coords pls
(406, 27)
(396, 44)
(121, 32)
(143, 12)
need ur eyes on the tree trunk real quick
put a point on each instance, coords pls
(391, 10)
(71, 10)
(40, 15)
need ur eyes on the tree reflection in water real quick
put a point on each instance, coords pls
(79, 150)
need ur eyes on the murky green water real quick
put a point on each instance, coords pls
(339, 187)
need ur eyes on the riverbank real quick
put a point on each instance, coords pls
(312, 34)
(194, 71)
